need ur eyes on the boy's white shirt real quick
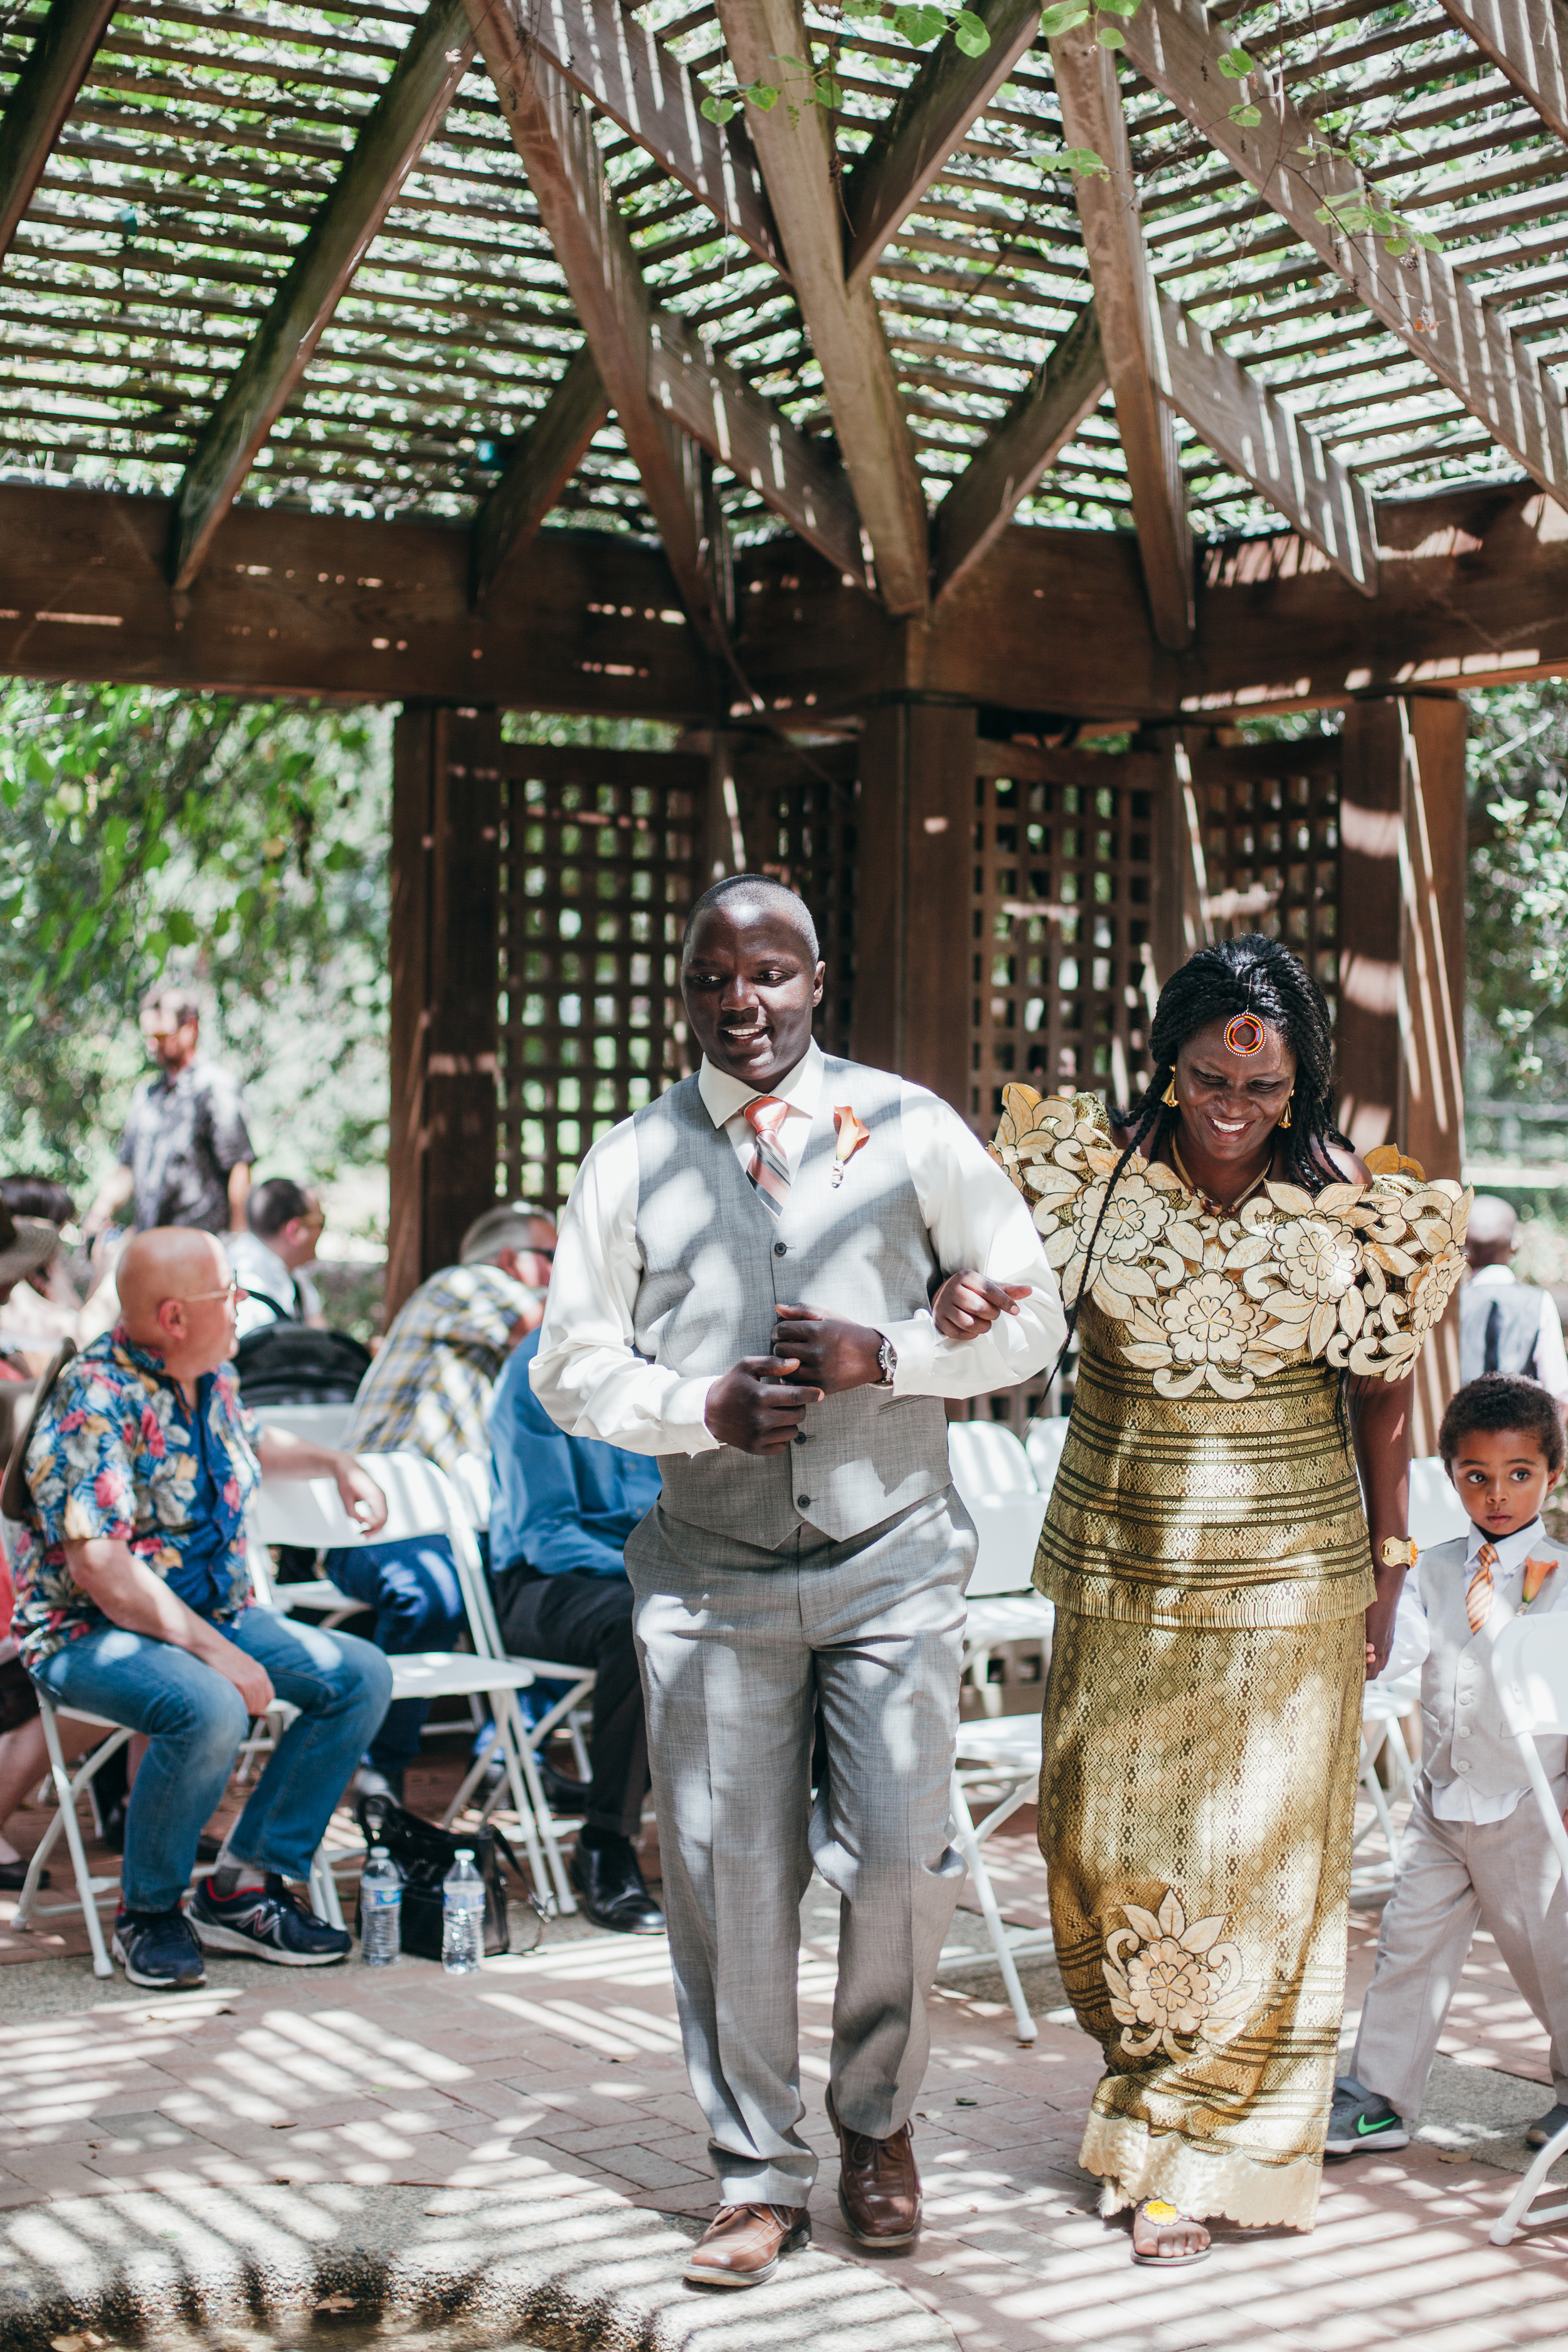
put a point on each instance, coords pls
(1412, 1644)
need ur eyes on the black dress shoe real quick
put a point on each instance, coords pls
(566, 1798)
(610, 1887)
(13, 1877)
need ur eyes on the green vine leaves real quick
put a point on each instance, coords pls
(807, 81)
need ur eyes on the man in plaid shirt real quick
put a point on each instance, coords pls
(428, 1392)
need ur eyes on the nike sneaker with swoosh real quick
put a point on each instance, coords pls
(1361, 2120)
(266, 1923)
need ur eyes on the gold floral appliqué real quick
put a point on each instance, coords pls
(1355, 1279)
(1172, 1978)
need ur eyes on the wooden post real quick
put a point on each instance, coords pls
(914, 916)
(1179, 923)
(1401, 961)
(1431, 1098)
(446, 821)
(1370, 922)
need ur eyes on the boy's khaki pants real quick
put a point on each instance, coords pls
(1453, 1876)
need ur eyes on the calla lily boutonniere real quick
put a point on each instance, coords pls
(852, 1136)
(1536, 1572)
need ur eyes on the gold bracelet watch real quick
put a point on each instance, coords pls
(1398, 1551)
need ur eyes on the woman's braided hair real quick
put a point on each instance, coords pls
(1256, 975)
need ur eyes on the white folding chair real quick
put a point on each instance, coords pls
(1530, 1670)
(471, 1478)
(421, 1501)
(324, 1425)
(1383, 1707)
(90, 1891)
(1003, 1756)
(997, 1484)
(68, 1788)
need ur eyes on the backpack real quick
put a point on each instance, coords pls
(424, 1854)
(293, 1363)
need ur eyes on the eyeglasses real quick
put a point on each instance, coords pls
(200, 1297)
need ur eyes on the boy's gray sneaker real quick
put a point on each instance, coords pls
(1360, 2119)
(1547, 2126)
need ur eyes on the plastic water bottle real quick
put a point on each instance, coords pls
(381, 1910)
(463, 1915)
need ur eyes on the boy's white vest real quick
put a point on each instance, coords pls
(1463, 1736)
(716, 1263)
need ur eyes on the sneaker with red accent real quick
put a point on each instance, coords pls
(272, 1922)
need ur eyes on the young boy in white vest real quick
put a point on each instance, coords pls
(771, 1277)
(1476, 1849)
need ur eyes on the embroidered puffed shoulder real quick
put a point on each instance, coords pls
(1355, 1279)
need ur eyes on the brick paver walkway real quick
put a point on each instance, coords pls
(567, 2063)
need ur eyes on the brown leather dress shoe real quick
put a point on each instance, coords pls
(878, 2185)
(743, 2244)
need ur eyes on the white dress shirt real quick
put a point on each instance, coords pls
(261, 1269)
(588, 1375)
(1551, 1354)
(1411, 1646)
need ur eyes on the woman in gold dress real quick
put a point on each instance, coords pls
(1250, 1298)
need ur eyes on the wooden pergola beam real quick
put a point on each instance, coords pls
(663, 386)
(1254, 432)
(1029, 439)
(1494, 373)
(844, 326)
(537, 471)
(418, 91)
(1113, 238)
(623, 68)
(551, 130)
(1527, 40)
(41, 96)
(931, 118)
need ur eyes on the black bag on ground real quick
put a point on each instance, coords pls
(424, 1854)
(293, 1363)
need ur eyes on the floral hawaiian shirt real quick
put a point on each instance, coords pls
(114, 1455)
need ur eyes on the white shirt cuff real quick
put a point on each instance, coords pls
(915, 1343)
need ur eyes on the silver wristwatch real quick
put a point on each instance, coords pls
(887, 1364)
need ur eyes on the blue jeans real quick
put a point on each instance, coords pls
(195, 1719)
(413, 1587)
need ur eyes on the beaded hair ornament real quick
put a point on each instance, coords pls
(1245, 1035)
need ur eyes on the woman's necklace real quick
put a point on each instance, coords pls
(1217, 1208)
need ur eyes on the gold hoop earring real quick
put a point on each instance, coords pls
(1285, 1120)
(1169, 1096)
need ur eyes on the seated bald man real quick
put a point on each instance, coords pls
(134, 1602)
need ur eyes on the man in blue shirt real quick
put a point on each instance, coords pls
(561, 1510)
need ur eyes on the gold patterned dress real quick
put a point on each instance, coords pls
(1207, 1553)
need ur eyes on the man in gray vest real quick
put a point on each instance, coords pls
(1505, 1325)
(749, 1284)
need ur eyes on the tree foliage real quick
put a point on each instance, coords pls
(1517, 1030)
(236, 846)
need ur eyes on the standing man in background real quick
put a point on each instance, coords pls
(1505, 1325)
(185, 1156)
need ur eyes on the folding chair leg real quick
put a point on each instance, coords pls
(1517, 2209)
(1379, 1802)
(969, 1845)
(324, 1900)
(66, 1794)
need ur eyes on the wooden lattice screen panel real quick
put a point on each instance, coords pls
(599, 856)
(1269, 814)
(1064, 872)
(797, 819)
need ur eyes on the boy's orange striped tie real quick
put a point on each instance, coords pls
(1479, 1593)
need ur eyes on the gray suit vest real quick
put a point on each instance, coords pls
(1499, 1329)
(716, 1263)
(1463, 1736)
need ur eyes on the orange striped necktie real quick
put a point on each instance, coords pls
(1479, 1593)
(769, 1171)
